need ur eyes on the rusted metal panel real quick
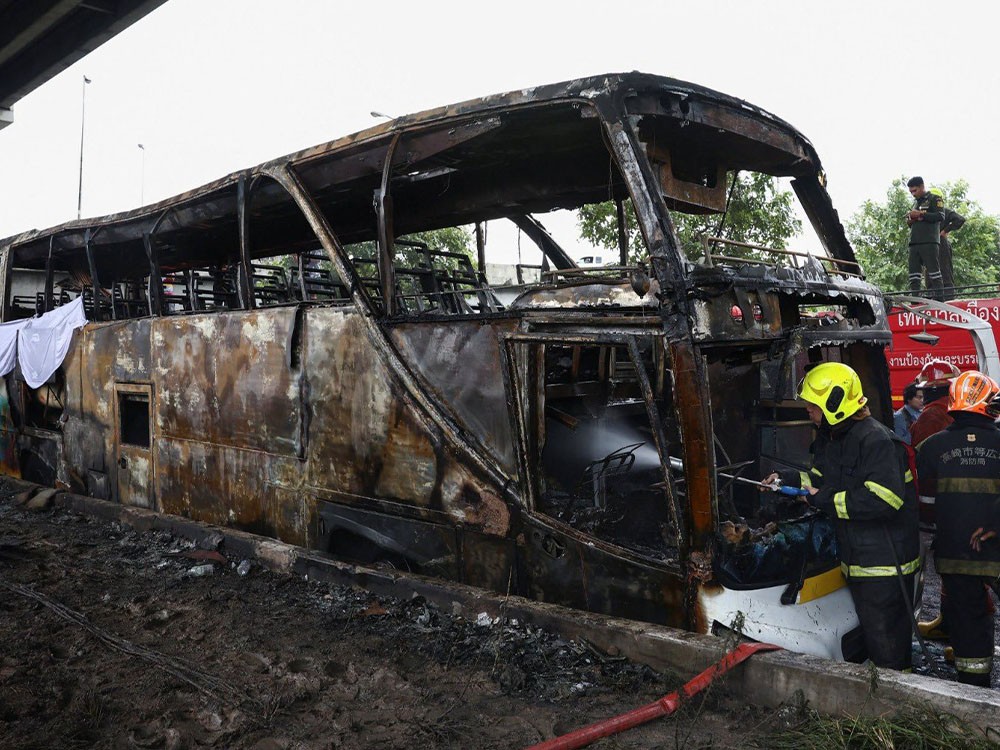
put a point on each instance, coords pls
(88, 433)
(128, 343)
(229, 379)
(569, 568)
(368, 438)
(418, 546)
(489, 561)
(99, 357)
(471, 501)
(459, 361)
(364, 436)
(691, 390)
(135, 476)
(247, 489)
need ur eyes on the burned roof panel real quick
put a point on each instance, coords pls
(494, 126)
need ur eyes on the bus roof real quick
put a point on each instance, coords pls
(545, 145)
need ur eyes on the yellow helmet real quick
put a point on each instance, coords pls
(835, 388)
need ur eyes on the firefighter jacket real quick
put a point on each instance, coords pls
(865, 486)
(933, 418)
(928, 229)
(960, 468)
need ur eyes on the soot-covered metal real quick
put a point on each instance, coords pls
(278, 352)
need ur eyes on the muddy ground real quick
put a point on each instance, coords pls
(114, 639)
(111, 638)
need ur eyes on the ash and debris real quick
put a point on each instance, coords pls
(113, 638)
(165, 654)
(523, 660)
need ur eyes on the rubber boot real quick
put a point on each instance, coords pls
(931, 629)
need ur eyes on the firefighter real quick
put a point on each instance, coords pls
(934, 379)
(860, 478)
(961, 467)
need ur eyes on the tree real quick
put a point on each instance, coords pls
(758, 213)
(880, 237)
(450, 239)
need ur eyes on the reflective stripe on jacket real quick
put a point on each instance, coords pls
(866, 487)
(962, 469)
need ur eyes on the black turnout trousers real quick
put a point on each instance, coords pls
(884, 619)
(970, 624)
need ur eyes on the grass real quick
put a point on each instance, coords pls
(908, 730)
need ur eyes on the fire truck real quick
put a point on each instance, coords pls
(963, 332)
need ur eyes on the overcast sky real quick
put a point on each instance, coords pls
(211, 86)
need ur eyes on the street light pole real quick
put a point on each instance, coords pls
(83, 119)
(142, 177)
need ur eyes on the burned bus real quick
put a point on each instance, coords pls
(279, 351)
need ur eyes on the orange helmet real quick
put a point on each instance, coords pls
(936, 372)
(974, 393)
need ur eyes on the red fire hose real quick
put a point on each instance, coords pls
(663, 707)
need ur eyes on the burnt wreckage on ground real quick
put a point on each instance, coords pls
(274, 351)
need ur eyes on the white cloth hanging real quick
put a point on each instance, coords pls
(8, 344)
(42, 342)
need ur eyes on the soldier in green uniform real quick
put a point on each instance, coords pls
(924, 220)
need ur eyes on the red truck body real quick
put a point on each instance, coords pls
(907, 356)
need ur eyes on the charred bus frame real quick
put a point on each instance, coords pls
(275, 351)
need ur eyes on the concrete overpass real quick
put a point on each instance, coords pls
(41, 38)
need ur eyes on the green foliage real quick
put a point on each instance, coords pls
(880, 237)
(451, 239)
(976, 246)
(758, 213)
(598, 224)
